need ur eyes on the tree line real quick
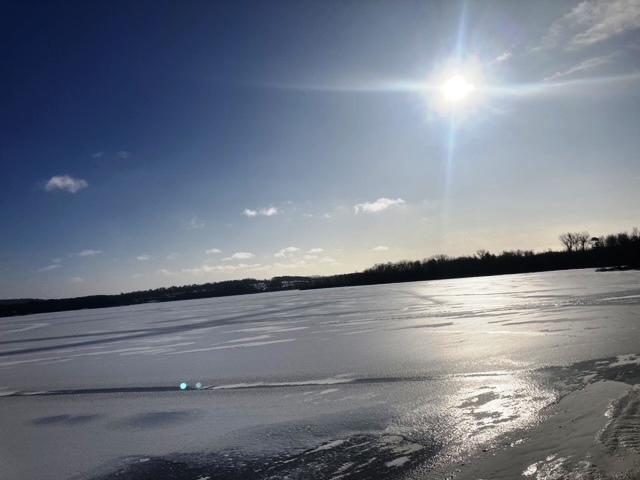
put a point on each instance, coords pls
(581, 250)
(621, 250)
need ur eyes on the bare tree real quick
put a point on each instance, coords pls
(568, 240)
(582, 240)
(575, 240)
(482, 253)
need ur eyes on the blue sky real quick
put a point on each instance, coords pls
(148, 144)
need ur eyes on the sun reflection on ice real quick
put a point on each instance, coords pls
(486, 406)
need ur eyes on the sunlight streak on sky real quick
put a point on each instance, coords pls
(433, 87)
(451, 138)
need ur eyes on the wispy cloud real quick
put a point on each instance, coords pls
(291, 264)
(195, 223)
(328, 260)
(88, 252)
(165, 272)
(48, 268)
(143, 257)
(315, 250)
(503, 57)
(265, 212)
(286, 252)
(76, 279)
(239, 256)
(584, 66)
(379, 205)
(97, 154)
(212, 251)
(380, 248)
(591, 22)
(305, 261)
(123, 154)
(222, 268)
(65, 183)
(173, 256)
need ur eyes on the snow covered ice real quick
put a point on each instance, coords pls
(389, 380)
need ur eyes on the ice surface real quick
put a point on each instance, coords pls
(444, 366)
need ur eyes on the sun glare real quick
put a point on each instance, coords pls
(456, 89)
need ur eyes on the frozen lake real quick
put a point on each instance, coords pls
(392, 381)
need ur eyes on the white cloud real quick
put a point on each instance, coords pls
(380, 248)
(291, 265)
(286, 252)
(164, 271)
(269, 212)
(294, 263)
(239, 256)
(378, 206)
(328, 260)
(173, 256)
(212, 251)
(48, 268)
(123, 154)
(143, 258)
(76, 279)
(316, 250)
(195, 223)
(195, 270)
(593, 21)
(222, 268)
(97, 155)
(65, 183)
(589, 64)
(503, 57)
(56, 260)
(265, 212)
(88, 253)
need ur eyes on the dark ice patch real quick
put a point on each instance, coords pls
(479, 400)
(426, 325)
(158, 419)
(357, 457)
(64, 419)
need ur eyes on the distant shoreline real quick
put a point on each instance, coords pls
(611, 253)
(38, 303)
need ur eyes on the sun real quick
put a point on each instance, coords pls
(456, 89)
